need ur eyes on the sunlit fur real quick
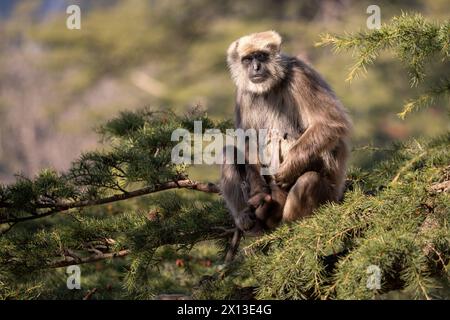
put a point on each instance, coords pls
(298, 103)
(269, 42)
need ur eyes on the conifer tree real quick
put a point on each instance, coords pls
(389, 237)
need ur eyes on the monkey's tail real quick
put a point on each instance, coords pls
(234, 245)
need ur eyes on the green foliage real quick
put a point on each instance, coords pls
(175, 223)
(172, 221)
(139, 154)
(130, 54)
(412, 39)
(392, 216)
(384, 220)
(327, 255)
(427, 99)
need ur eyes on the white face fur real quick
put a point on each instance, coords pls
(268, 42)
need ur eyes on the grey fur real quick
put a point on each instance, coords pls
(298, 102)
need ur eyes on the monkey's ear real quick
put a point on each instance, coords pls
(275, 41)
(232, 53)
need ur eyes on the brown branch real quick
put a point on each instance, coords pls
(69, 261)
(89, 294)
(183, 184)
(21, 219)
(440, 187)
(65, 205)
(70, 258)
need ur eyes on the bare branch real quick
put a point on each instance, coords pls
(183, 184)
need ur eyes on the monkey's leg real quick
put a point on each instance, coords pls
(309, 191)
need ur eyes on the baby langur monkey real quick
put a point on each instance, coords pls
(262, 200)
(280, 92)
(265, 198)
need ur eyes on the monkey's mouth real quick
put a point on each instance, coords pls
(258, 78)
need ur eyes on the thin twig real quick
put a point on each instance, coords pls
(89, 294)
(68, 261)
(408, 165)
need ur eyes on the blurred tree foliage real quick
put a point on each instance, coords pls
(137, 53)
(172, 53)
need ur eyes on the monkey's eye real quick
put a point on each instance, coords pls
(246, 60)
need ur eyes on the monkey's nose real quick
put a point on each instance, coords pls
(256, 66)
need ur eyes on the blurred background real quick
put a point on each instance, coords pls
(57, 85)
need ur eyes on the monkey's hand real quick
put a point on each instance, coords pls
(259, 199)
(260, 203)
(284, 176)
(246, 219)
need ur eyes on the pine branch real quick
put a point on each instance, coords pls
(72, 259)
(427, 99)
(411, 37)
(69, 261)
(64, 206)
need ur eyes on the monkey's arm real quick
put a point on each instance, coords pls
(328, 125)
(259, 189)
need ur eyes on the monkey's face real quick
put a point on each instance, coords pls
(256, 66)
(255, 62)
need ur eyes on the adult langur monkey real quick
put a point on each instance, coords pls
(282, 93)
